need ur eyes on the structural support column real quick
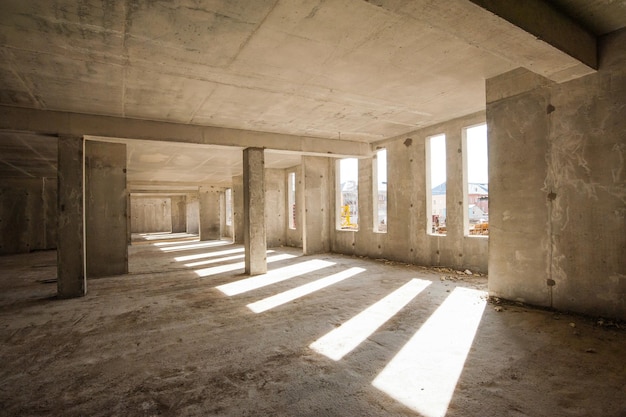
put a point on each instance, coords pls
(317, 205)
(106, 228)
(254, 211)
(210, 220)
(70, 247)
(238, 209)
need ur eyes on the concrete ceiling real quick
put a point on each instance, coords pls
(338, 69)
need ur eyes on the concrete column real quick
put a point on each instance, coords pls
(193, 214)
(179, 214)
(238, 209)
(318, 200)
(70, 247)
(106, 227)
(254, 211)
(210, 219)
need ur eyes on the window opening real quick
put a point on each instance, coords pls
(436, 178)
(380, 191)
(348, 196)
(229, 206)
(476, 218)
(291, 184)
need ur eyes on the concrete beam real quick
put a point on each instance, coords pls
(543, 21)
(529, 34)
(66, 123)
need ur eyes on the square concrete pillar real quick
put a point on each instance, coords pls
(210, 216)
(70, 247)
(254, 211)
(238, 209)
(317, 204)
(106, 227)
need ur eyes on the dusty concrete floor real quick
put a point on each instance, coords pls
(164, 340)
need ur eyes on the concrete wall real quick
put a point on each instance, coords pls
(151, 214)
(407, 239)
(193, 214)
(238, 209)
(318, 203)
(275, 207)
(105, 209)
(210, 212)
(28, 214)
(558, 209)
(179, 214)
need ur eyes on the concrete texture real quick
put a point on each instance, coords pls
(151, 214)
(179, 214)
(558, 184)
(318, 203)
(28, 214)
(71, 278)
(166, 341)
(254, 230)
(193, 214)
(106, 228)
(275, 207)
(238, 213)
(210, 213)
(407, 239)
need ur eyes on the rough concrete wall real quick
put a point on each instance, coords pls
(294, 236)
(105, 209)
(275, 207)
(179, 214)
(407, 239)
(151, 214)
(238, 208)
(28, 216)
(560, 204)
(193, 214)
(318, 199)
(210, 213)
(71, 280)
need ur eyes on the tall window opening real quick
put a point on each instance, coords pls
(229, 206)
(476, 217)
(348, 194)
(380, 191)
(436, 184)
(291, 197)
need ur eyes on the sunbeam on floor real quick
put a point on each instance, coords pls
(424, 373)
(301, 291)
(342, 340)
(272, 277)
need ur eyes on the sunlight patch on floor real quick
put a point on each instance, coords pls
(207, 255)
(424, 373)
(193, 246)
(342, 340)
(272, 277)
(205, 272)
(306, 289)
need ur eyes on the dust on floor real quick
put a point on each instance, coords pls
(187, 334)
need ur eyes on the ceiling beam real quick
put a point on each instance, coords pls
(77, 124)
(529, 33)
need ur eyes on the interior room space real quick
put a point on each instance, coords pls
(313, 208)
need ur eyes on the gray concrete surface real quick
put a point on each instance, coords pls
(166, 341)
(559, 206)
(71, 276)
(254, 230)
(105, 198)
(210, 213)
